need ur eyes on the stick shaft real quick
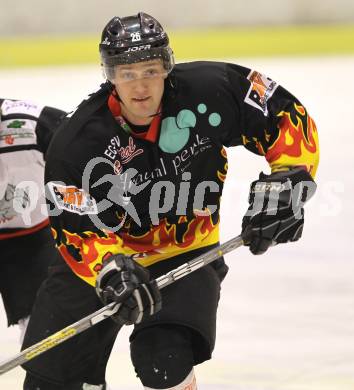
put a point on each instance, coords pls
(198, 262)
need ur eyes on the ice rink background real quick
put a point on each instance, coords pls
(286, 319)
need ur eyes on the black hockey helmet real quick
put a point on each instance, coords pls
(134, 39)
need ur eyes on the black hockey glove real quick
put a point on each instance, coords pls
(275, 214)
(124, 281)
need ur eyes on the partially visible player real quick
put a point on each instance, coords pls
(26, 245)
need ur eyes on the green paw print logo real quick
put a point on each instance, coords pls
(175, 131)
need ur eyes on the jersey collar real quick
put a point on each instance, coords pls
(149, 135)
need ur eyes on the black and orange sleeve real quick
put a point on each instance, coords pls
(272, 122)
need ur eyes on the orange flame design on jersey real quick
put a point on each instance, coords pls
(259, 146)
(92, 249)
(159, 243)
(297, 142)
(222, 175)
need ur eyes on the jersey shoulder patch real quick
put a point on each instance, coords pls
(72, 199)
(261, 89)
(18, 107)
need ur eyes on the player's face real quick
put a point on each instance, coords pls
(140, 87)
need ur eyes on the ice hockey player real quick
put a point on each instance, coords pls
(26, 244)
(135, 178)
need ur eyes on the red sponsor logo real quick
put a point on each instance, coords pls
(126, 154)
(9, 139)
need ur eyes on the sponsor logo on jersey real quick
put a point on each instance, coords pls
(124, 153)
(18, 132)
(13, 197)
(72, 199)
(261, 89)
(175, 131)
(182, 160)
(9, 140)
(158, 172)
(16, 124)
(20, 107)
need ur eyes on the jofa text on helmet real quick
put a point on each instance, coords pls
(138, 48)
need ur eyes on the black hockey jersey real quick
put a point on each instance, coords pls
(25, 131)
(157, 195)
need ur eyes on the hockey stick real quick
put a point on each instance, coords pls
(106, 311)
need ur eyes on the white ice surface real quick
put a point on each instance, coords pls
(286, 319)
